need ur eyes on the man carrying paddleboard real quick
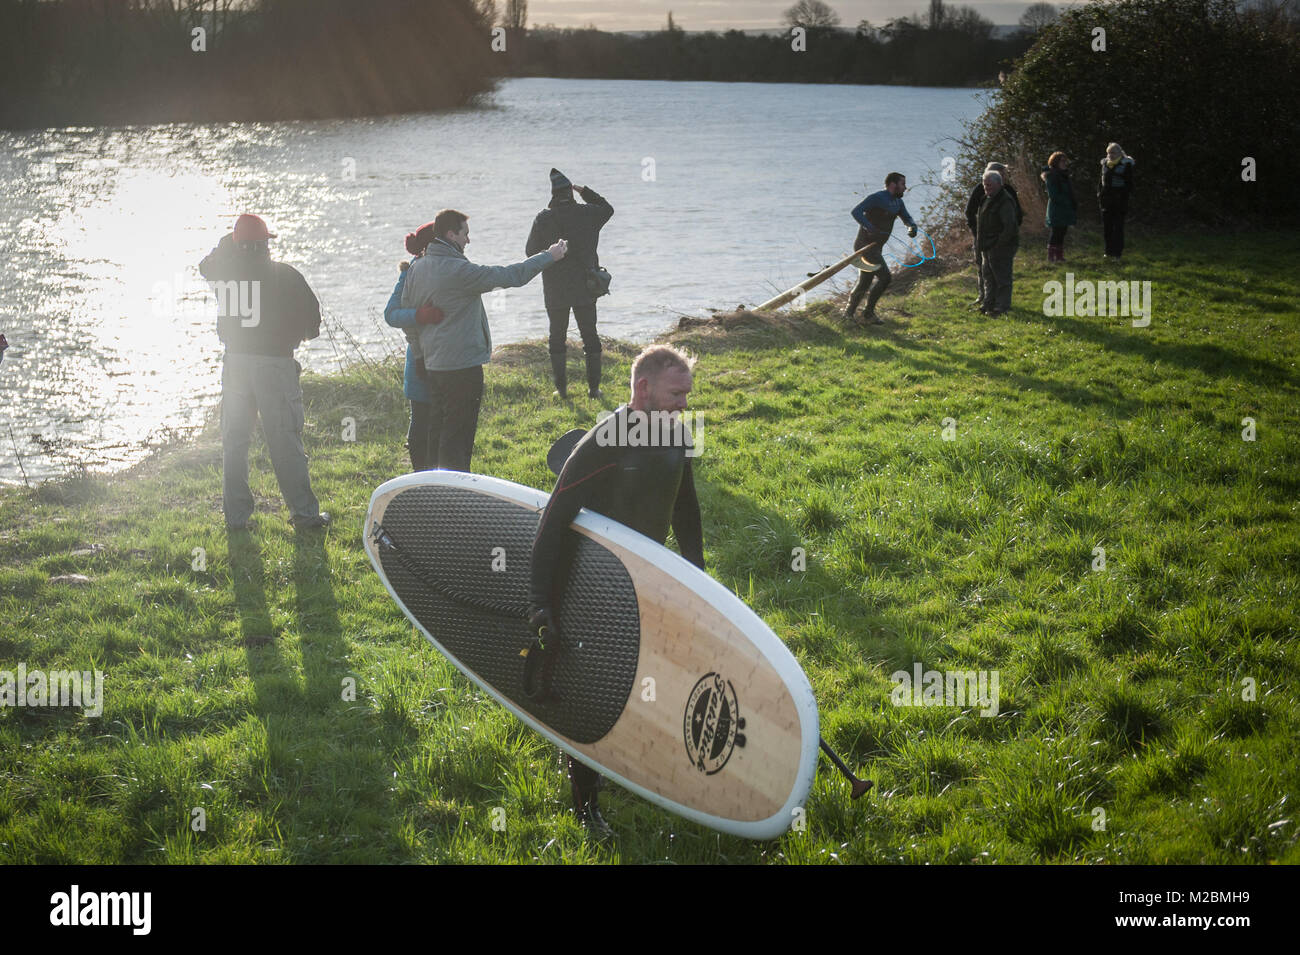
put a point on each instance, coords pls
(623, 469)
(875, 216)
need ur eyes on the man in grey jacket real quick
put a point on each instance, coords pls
(445, 288)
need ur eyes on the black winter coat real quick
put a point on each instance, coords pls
(565, 282)
(1115, 185)
(288, 312)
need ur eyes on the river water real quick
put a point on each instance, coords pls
(723, 194)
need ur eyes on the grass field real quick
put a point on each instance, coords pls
(1147, 712)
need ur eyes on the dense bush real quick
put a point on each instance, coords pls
(1189, 88)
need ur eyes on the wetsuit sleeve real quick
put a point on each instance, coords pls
(904, 214)
(687, 526)
(860, 213)
(588, 468)
(598, 204)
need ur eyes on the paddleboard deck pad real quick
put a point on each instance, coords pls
(662, 679)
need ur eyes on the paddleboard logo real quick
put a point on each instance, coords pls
(711, 722)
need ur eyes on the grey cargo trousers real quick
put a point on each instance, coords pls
(253, 385)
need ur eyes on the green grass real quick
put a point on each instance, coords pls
(1121, 691)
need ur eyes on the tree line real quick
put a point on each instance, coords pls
(946, 46)
(83, 62)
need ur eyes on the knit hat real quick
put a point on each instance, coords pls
(421, 237)
(560, 182)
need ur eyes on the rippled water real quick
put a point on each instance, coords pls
(113, 332)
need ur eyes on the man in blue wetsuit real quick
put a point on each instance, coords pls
(875, 216)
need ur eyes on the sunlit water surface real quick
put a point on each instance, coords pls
(723, 194)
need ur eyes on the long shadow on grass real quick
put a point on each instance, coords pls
(767, 334)
(324, 771)
(1212, 359)
(347, 786)
(955, 362)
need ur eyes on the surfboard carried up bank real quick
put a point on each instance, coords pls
(664, 680)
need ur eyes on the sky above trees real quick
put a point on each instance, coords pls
(738, 14)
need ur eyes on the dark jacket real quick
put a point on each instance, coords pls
(579, 223)
(287, 312)
(996, 226)
(977, 196)
(1115, 185)
(1060, 198)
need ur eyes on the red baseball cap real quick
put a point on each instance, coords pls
(250, 228)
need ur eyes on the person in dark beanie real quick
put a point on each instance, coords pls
(997, 237)
(875, 216)
(456, 345)
(415, 385)
(566, 286)
(1060, 203)
(1113, 192)
(972, 210)
(265, 310)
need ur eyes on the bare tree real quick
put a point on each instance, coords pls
(812, 15)
(516, 15)
(968, 20)
(937, 18)
(1038, 16)
(487, 11)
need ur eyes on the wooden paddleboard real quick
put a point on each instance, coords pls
(664, 680)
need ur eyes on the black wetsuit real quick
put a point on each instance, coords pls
(646, 486)
(620, 474)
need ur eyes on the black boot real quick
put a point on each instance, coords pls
(593, 375)
(585, 783)
(560, 373)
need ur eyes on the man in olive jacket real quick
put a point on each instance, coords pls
(997, 238)
(565, 286)
(445, 288)
(972, 210)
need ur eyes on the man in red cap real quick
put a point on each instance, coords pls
(265, 310)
